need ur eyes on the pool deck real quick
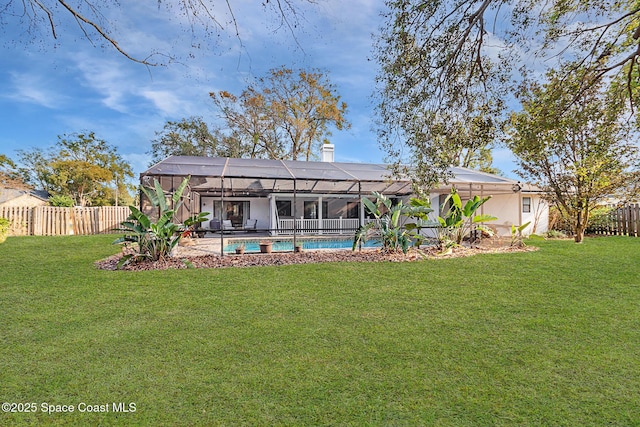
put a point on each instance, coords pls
(210, 244)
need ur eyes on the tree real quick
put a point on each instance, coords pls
(483, 39)
(191, 137)
(205, 20)
(9, 175)
(80, 166)
(578, 151)
(465, 140)
(461, 56)
(286, 115)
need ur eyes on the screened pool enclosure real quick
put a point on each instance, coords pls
(277, 197)
(282, 199)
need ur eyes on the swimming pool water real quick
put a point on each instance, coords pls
(287, 245)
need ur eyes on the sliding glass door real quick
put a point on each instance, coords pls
(237, 211)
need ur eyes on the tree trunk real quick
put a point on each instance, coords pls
(581, 224)
(579, 229)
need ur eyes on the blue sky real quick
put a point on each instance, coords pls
(52, 87)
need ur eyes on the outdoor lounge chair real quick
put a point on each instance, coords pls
(227, 225)
(251, 225)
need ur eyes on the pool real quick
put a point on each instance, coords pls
(307, 244)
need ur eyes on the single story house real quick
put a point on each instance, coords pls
(284, 197)
(13, 197)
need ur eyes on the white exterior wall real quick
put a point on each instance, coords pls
(539, 215)
(508, 209)
(260, 211)
(259, 208)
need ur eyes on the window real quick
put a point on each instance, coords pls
(311, 210)
(353, 209)
(235, 211)
(284, 208)
(526, 204)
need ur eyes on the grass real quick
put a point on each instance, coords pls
(540, 338)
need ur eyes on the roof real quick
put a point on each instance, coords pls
(266, 175)
(7, 194)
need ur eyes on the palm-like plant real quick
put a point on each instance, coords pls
(517, 239)
(419, 210)
(459, 220)
(154, 240)
(387, 227)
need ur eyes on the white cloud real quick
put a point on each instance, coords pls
(107, 78)
(35, 89)
(165, 101)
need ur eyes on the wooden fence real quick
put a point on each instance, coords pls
(621, 221)
(54, 221)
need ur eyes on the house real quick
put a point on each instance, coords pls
(512, 202)
(11, 197)
(284, 197)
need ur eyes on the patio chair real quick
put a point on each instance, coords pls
(251, 225)
(227, 225)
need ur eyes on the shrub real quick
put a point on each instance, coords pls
(155, 240)
(5, 225)
(558, 223)
(600, 218)
(387, 228)
(62, 201)
(517, 239)
(458, 221)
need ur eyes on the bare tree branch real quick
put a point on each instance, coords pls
(93, 24)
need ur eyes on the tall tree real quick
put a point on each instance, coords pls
(80, 166)
(580, 150)
(286, 115)
(460, 56)
(9, 174)
(204, 19)
(191, 137)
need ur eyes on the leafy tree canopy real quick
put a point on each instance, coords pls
(192, 137)
(80, 166)
(9, 175)
(580, 150)
(286, 115)
(462, 56)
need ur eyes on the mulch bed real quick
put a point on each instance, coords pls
(288, 258)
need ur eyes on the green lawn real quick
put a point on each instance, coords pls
(542, 338)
